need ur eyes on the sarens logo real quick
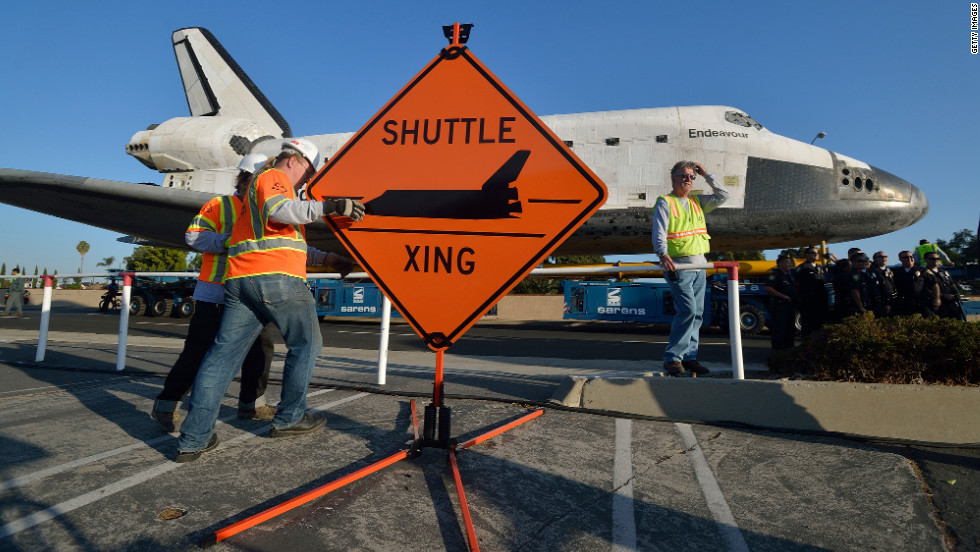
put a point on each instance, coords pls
(359, 309)
(622, 310)
(614, 297)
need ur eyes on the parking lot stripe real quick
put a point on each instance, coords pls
(727, 528)
(623, 514)
(26, 522)
(41, 474)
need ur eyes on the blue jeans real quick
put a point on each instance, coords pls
(250, 303)
(688, 294)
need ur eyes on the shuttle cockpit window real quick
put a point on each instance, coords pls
(741, 119)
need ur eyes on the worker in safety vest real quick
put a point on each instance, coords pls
(926, 247)
(680, 236)
(209, 233)
(266, 282)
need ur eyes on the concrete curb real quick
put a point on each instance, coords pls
(928, 414)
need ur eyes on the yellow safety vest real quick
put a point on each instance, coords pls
(922, 250)
(687, 233)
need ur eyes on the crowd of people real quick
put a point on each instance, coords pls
(860, 285)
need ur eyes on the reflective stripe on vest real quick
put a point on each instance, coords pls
(217, 215)
(687, 233)
(261, 245)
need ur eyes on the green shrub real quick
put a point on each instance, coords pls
(888, 350)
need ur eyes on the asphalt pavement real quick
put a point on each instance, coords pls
(85, 468)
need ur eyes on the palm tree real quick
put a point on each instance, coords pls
(107, 263)
(82, 249)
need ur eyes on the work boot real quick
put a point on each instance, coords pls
(166, 420)
(264, 413)
(674, 369)
(184, 457)
(306, 424)
(695, 367)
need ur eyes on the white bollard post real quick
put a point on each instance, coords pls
(734, 327)
(42, 340)
(124, 320)
(383, 344)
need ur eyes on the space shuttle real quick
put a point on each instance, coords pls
(783, 193)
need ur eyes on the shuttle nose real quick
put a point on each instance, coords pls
(888, 187)
(918, 205)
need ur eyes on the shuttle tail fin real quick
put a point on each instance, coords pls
(215, 84)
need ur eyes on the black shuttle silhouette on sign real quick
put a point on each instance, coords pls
(494, 200)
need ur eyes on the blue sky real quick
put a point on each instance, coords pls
(892, 84)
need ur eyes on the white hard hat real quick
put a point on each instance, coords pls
(252, 162)
(306, 148)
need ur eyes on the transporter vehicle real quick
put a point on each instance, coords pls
(335, 298)
(652, 302)
(153, 297)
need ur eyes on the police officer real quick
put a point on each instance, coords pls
(949, 298)
(811, 279)
(908, 286)
(782, 297)
(930, 298)
(886, 283)
(864, 290)
(842, 289)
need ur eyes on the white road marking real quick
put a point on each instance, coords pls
(18, 525)
(60, 388)
(41, 474)
(623, 514)
(730, 533)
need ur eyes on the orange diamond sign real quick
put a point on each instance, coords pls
(466, 192)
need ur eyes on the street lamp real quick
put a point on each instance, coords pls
(817, 137)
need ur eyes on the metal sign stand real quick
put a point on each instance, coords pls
(436, 414)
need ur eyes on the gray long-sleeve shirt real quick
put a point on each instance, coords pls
(661, 218)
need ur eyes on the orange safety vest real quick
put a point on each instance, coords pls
(218, 215)
(260, 245)
(687, 233)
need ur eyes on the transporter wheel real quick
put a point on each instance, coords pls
(137, 306)
(105, 304)
(160, 307)
(185, 309)
(750, 320)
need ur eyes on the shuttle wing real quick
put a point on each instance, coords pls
(146, 211)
